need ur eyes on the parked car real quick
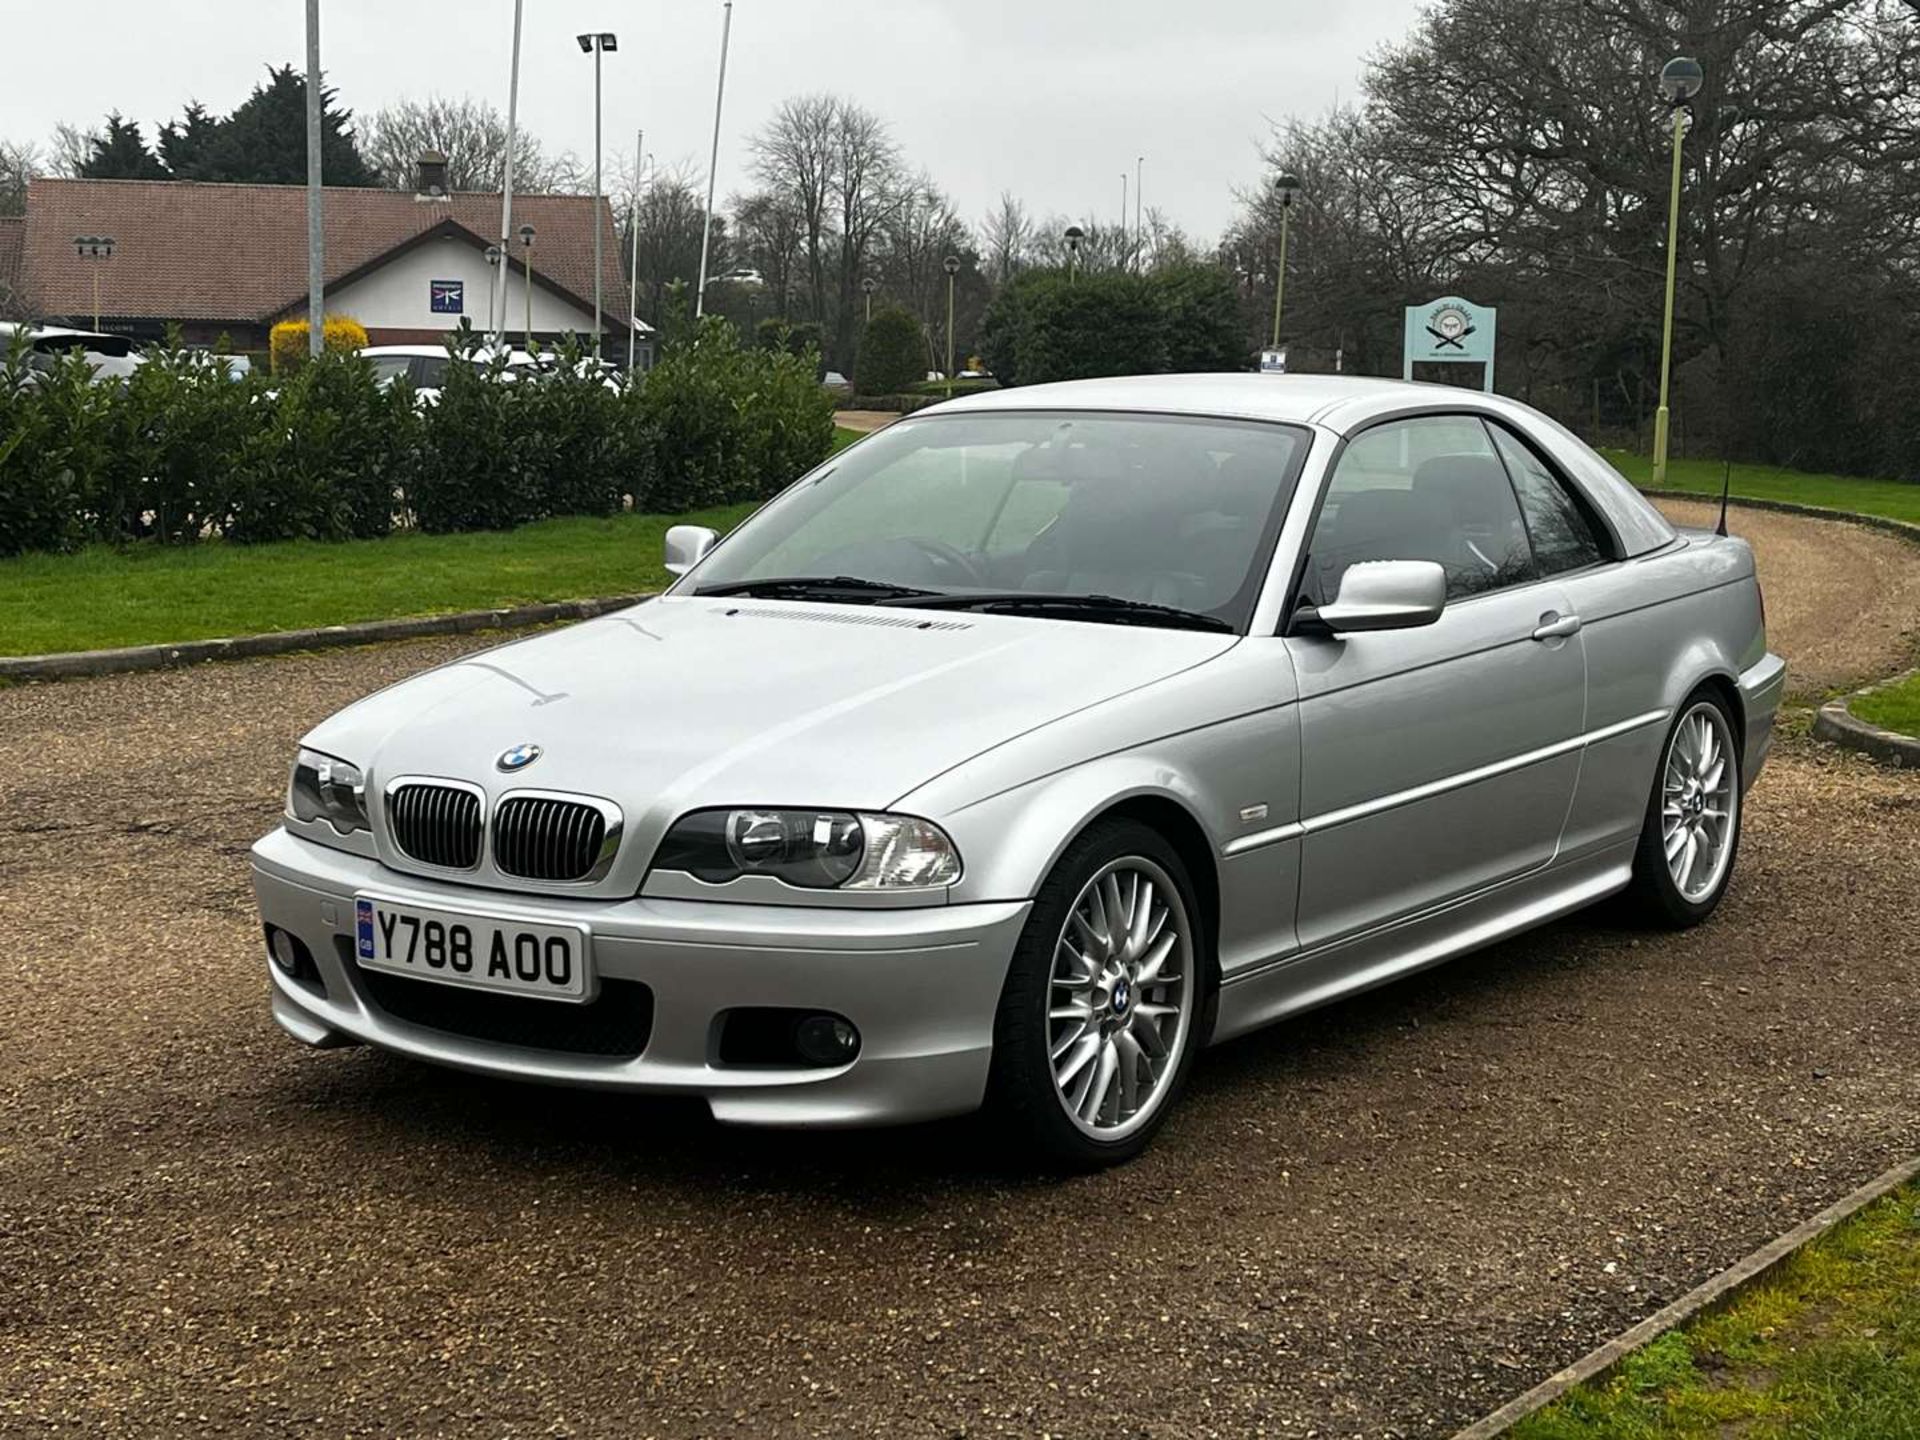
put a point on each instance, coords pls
(112, 357)
(1019, 752)
(425, 366)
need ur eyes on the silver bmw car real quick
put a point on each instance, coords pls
(1027, 747)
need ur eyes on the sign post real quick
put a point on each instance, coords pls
(1450, 331)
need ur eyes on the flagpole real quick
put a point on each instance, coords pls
(633, 245)
(497, 298)
(316, 199)
(713, 164)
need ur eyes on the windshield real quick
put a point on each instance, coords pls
(389, 367)
(1165, 510)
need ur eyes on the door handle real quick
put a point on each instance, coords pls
(1554, 626)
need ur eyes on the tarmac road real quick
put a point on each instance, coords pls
(1379, 1220)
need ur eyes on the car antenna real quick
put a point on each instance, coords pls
(1726, 484)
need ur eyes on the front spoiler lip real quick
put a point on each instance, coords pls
(922, 985)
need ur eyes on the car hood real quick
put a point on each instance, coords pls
(685, 702)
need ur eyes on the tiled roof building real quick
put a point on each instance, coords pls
(232, 259)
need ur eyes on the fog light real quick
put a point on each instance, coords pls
(284, 953)
(826, 1040)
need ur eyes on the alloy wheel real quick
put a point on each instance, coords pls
(1121, 998)
(1699, 802)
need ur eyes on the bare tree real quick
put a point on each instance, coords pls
(473, 137)
(70, 149)
(768, 235)
(1008, 237)
(19, 163)
(795, 157)
(663, 234)
(830, 166)
(921, 230)
(1101, 246)
(866, 189)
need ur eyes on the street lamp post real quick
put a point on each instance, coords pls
(499, 267)
(1074, 236)
(1680, 81)
(526, 240)
(952, 266)
(596, 45)
(868, 286)
(1139, 209)
(94, 248)
(1286, 186)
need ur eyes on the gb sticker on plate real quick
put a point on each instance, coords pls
(363, 927)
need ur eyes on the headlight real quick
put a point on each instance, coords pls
(323, 788)
(814, 849)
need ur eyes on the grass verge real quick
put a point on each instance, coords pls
(104, 597)
(1828, 1348)
(1889, 499)
(1896, 707)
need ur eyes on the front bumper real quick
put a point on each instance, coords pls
(921, 984)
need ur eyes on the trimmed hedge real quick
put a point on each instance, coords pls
(892, 404)
(1046, 325)
(893, 352)
(182, 452)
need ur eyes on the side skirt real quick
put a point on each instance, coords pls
(1272, 992)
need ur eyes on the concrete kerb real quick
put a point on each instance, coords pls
(79, 663)
(1721, 1290)
(1835, 722)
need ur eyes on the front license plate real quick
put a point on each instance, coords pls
(511, 956)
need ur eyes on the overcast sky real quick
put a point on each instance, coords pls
(1051, 99)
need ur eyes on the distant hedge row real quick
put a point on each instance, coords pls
(181, 452)
(1049, 325)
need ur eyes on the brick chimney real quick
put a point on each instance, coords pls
(431, 177)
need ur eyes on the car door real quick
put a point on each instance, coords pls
(1439, 760)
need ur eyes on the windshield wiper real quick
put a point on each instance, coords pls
(810, 586)
(1109, 609)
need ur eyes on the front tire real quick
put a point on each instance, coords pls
(1104, 1001)
(1691, 834)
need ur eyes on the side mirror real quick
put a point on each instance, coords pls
(1387, 595)
(687, 546)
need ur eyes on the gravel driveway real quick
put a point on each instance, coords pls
(1380, 1220)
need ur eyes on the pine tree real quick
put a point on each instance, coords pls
(185, 143)
(121, 153)
(264, 141)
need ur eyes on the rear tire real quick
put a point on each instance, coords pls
(1690, 837)
(1105, 1001)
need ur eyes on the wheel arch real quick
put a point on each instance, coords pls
(1181, 829)
(1020, 835)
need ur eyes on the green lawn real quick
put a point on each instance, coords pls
(1891, 499)
(104, 597)
(1827, 1349)
(1895, 708)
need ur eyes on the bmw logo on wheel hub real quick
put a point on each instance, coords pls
(519, 757)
